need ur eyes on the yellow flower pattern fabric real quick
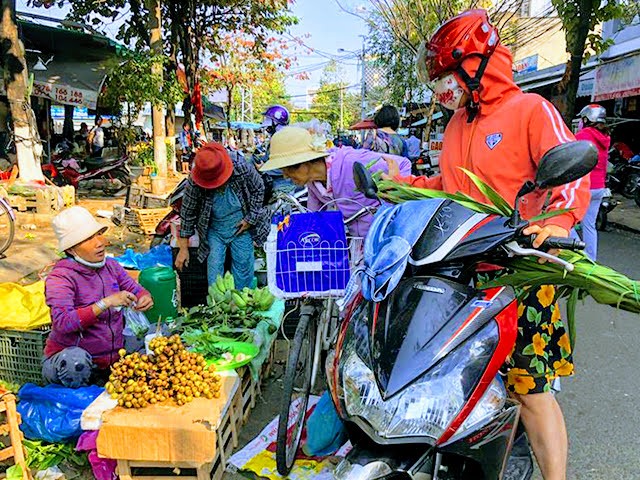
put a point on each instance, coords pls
(543, 350)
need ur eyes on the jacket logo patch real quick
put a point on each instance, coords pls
(493, 140)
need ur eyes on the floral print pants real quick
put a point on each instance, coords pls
(542, 351)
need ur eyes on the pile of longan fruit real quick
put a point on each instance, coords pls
(172, 372)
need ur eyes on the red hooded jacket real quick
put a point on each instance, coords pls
(504, 145)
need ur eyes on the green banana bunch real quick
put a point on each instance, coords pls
(238, 300)
(229, 283)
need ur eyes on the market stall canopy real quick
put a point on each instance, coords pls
(242, 125)
(78, 60)
(366, 124)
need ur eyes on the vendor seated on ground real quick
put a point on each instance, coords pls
(86, 292)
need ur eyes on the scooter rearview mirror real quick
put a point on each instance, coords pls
(364, 182)
(566, 163)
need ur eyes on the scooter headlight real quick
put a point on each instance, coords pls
(428, 405)
(491, 403)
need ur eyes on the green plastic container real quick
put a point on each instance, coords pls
(161, 283)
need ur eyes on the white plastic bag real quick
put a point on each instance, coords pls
(136, 323)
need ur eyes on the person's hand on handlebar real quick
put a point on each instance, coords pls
(542, 233)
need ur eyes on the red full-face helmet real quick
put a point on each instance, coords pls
(469, 33)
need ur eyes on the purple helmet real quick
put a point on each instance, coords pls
(275, 116)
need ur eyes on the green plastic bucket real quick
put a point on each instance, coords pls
(161, 283)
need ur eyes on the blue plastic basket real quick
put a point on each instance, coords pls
(308, 255)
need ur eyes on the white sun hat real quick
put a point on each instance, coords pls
(292, 146)
(75, 225)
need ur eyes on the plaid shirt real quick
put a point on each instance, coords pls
(197, 204)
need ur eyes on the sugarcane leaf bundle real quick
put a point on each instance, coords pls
(605, 285)
(394, 192)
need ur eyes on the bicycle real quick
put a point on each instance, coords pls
(315, 334)
(7, 225)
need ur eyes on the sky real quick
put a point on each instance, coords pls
(324, 27)
(329, 29)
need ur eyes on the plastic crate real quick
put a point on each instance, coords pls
(21, 354)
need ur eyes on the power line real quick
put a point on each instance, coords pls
(322, 91)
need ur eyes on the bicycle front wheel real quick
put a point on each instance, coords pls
(7, 228)
(295, 397)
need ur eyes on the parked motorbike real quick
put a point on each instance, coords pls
(415, 377)
(422, 165)
(624, 178)
(163, 229)
(70, 171)
(607, 205)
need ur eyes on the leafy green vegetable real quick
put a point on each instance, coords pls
(42, 455)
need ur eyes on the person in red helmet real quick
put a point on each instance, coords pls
(500, 133)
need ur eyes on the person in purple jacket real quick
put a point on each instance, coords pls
(328, 175)
(86, 292)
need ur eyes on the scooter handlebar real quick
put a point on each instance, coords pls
(554, 242)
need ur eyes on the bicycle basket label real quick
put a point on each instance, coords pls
(309, 239)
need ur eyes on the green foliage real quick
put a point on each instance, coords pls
(396, 29)
(327, 99)
(580, 18)
(131, 81)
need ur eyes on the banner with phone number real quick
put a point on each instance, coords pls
(62, 94)
(66, 95)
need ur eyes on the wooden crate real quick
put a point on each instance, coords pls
(10, 429)
(248, 392)
(149, 218)
(227, 440)
(47, 200)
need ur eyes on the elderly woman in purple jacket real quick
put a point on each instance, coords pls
(328, 175)
(86, 292)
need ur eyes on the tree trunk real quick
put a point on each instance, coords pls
(28, 147)
(428, 126)
(229, 106)
(157, 114)
(67, 129)
(568, 87)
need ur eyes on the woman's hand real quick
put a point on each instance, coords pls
(120, 299)
(242, 227)
(392, 167)
(542, 233)
(144, 303)
(182, 259)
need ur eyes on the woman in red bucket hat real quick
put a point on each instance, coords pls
(223, 203)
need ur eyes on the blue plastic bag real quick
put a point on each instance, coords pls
(158, 256)
(325, 431)
(53, 413)
(312, 253)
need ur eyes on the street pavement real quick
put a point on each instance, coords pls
(600, 402)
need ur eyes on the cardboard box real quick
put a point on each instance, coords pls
(166, 433)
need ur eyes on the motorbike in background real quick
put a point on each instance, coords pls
(606, 207)
(415, 375)
(67, 170)
(422, 165)
(624, 177)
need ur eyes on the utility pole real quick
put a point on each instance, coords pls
(341, 108)
(363, 106)
(157, 113)
(14, 66)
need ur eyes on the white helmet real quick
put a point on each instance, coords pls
(593, 113)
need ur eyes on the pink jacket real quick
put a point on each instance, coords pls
(602, 141)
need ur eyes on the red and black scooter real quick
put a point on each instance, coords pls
(415, 377)
(69, 171)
